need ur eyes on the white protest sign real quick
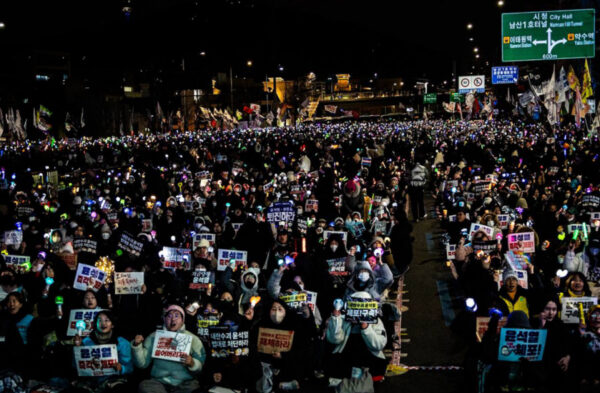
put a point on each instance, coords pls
(174, 258)
(129, 283)
(88, 277)
(13, 238)
(96, 360)
(171, 345)
(81, 314)
(570, 307)
(225, 256)
(210, 237)
(521, 242)
(450, 251)
(489, 231)
(503, 219)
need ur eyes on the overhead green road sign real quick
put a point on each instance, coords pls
(457, 97)
(430, 98)
(548, 35)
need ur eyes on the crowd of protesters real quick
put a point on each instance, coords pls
(293, 234)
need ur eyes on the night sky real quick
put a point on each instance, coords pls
(392, 38)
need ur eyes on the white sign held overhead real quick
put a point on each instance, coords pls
(467, 84)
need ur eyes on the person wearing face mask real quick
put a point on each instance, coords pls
(290, 365)
(169, 376)
(355, 344)
(249, 288)
(104, 334)
(362, 280)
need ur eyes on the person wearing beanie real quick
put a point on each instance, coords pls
(513, 296)
(169, 375)
(352, 199)
(356, 344)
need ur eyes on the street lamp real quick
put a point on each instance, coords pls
(476, 49)
(2, 25)
(249, 63)
(500, 3)
(469, 26)
(202, 53)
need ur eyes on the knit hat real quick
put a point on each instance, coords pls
(508, 273)
(176, 308)
(204, 243)
(518, 319)
(350, 186)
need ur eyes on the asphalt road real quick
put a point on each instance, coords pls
(432, 343)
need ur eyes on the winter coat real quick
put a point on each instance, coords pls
(339, 330)
(166, 371)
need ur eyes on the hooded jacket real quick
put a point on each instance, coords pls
(247, 293)
(355, 285)
(166, 371)
(339, 331)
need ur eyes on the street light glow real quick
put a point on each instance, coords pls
(500, 3)
(476, 49)
(470, 26)
(249, 63)
(2, 25)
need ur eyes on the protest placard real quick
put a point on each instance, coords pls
(482, 326)
(489, 231)
(85, 245)
(81, 314)
(450, 251)
(13, 238)
(521, 242)
(577, 227)
(88, 277)
(357, 228)
(337, 266)
(570, 312)
(281, 211)
(176, 258)
(342, 234)
(130, 244)
(228, 340)
(129, 283)
(590, 200)
(204, 322)
(595, 219)
(311, 299)
(516, 344)
(361, 310)
(96, 360)
(482, 186)
(274, 340)
(294, 300)
(171, 345)
(210, 237)
(201, 279)
(485, 246)
(311, 205)
(380, 227)
(225, 256)
(504, 220)
(18, 263)
(24, 211)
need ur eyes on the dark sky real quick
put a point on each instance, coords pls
(392, 38)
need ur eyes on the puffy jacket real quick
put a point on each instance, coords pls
(339, 330)
(123, 351)
(166, 371)
(519, 303)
